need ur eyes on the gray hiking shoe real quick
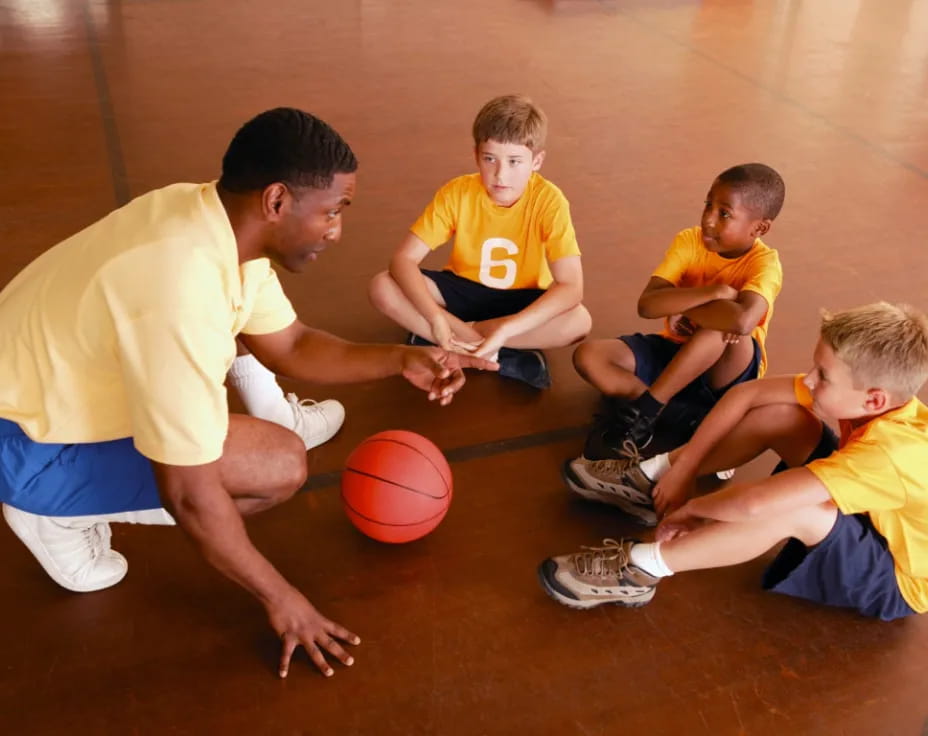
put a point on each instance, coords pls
(597, 575)
(620, 483)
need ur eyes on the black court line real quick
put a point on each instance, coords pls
(473, 452)
(107, 116)
(776, 94)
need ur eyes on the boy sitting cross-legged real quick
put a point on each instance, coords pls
(854, 510)
(513, 284)
(715, 289)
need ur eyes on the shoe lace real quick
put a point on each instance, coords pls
(630, 457)
(605, 561)
(96, 538)
(302, 410)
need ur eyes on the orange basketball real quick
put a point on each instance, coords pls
(396, 486)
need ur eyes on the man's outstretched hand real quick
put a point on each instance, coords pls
(439, 372)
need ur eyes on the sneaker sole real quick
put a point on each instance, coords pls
(554, 591)
(27, 536)
(645, 517)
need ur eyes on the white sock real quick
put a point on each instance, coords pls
(648, 557)
(262, 396)
(655, 467)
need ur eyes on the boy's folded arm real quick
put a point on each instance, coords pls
(565, 292)
(739, 315)
(662, 298)
(404, 268)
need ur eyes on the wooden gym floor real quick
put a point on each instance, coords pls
(648, 100)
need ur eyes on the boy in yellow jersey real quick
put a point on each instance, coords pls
(513, 283)
(114, 350)
(715, 290)
(854, 509)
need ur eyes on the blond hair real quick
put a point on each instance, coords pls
(512, 119)
(884, 345)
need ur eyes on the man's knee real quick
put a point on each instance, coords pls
(290, 469)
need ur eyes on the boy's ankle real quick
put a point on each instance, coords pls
(647, 405)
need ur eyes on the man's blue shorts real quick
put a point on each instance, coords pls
(74, 480)
(851, 567)
(469, 301)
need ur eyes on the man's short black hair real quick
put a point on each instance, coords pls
(288, 146)
(761, 188)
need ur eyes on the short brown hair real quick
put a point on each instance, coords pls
(512, 119)
(884, 345)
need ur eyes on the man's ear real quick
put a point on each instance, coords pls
(273, 199)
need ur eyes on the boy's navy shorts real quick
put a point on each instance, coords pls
(653, 354)
(469, 301)
(851, 567)
(74, 480)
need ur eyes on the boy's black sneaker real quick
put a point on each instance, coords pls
(528, 366)
(619, 426)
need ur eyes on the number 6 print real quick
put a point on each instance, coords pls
(488, 262)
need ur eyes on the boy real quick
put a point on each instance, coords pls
(513, 281)
(715, 288)
(855, 510)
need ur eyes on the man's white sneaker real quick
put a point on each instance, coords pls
(74, 551)
(316, 421)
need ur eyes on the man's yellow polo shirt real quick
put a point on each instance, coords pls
(127, 329)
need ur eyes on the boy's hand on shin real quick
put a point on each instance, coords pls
(676, 524)
(441, 331)
(493, 342)
(669, 494)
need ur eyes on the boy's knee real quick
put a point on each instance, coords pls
(581, 357)
(380, 290)
(582, 324)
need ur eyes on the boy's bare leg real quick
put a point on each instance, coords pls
(720, 544)
(262, 464)
(565, 329)
(789, 430)
(388, 298)
(610, 366)
(705, 350)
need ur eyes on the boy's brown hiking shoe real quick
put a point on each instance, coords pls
(597, 575)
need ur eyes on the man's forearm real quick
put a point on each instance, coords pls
(215, 525)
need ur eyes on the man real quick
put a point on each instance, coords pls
(115, 345)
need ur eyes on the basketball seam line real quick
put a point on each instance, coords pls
(394, 483)
(390, 523)
(418, 452)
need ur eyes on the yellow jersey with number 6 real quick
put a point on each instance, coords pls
(500, 247)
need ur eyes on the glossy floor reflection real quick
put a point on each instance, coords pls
(648, 100)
